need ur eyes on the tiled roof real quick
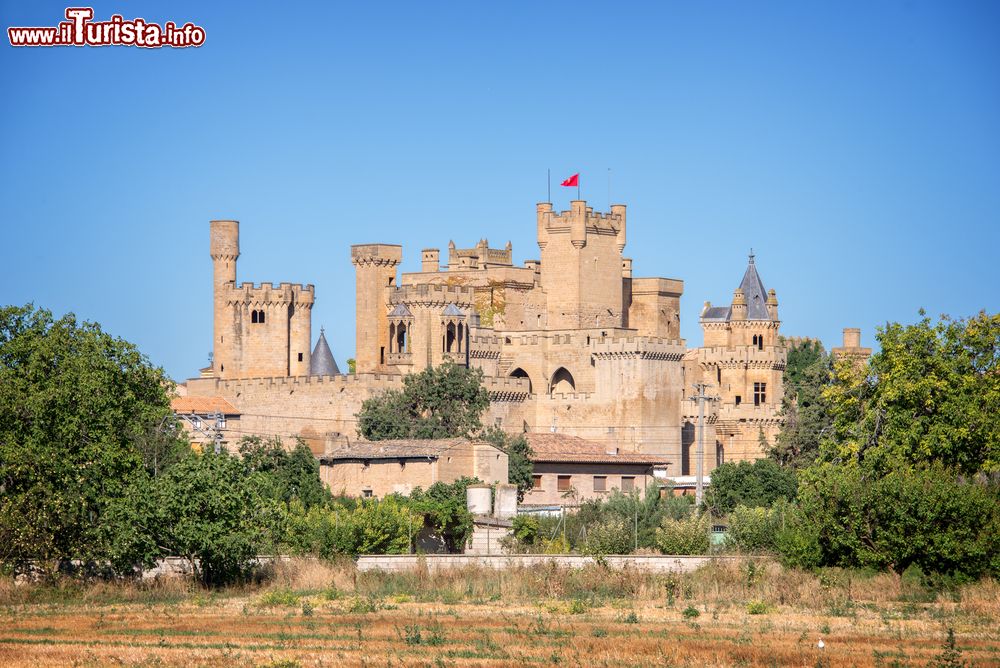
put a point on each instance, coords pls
(756, 295)
(322, 363)
(398, 448)
(202, 405)
(556, 447)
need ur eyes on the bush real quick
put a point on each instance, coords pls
(755, 485)
(753, 529)
(687, 536)
(925, 516)
(525, 529)
(612, 536)
(373, 527)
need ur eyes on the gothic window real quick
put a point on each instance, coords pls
(759, 393)
(451, 338)
(253, 317)
(521, 373)
(402, 344)
(687, 440)
(562, 382)
(257, 317)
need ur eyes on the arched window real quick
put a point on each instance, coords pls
(402, 344)
(253, 316)
(521, 373)
(687, 440)
(562, 382)
(257, 317)
(450, 338)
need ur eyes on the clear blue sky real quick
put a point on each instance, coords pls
(854, 146)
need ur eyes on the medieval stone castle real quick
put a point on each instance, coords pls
(571, 343)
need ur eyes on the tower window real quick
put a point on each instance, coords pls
(300, 357)
(739, 400)
(257, 317)
(759, 393)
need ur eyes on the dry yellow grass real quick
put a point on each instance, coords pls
(313, 614)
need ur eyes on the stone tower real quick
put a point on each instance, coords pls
(375, 271)
(582, 267)
(259, 330)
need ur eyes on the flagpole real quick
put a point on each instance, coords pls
(609, 189)
(578, 187)
(548, 174)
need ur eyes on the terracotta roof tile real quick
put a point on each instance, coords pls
(202, 405)
(556, 447)
(400, 448)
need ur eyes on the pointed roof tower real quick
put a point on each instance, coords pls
(754, 292)
(322, 362)
(755, 299)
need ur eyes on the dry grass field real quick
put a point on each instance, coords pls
(312, 614)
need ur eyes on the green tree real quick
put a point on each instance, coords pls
(444, 508)
(445, 401)
(860, 516)
(932, 393)
(287, 474)
(806, 415)
(520, 469)
(757, 484)
(75, 405)
(205, 508)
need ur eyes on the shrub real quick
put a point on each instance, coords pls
(753, 529)
(925, 516)
(757, 484)
(691, 612)
(612, 536)
(525, 529)
(757, 608)
(687, 536)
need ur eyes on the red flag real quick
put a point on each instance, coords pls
(572, 181)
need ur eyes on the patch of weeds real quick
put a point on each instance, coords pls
(630, 618)
(951, 655)
(412, 635)
(282, 663)
(577, 607)
(331, 593)
(307, 608)
(363, 606)
(691, 612)
(277, 597)
(825, 629)
(890, 659)
(757, 608)
(598, 632)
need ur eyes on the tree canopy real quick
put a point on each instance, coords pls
(806, 414)
(445, 401)
(76, 405)
(931, 394)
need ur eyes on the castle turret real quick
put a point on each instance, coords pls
(738, 309)
(851, 349)
(224, 247)
(582, 269)
(430, 260)
(772, 304)
(375, 272)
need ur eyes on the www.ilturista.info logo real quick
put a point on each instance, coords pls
(80, 30)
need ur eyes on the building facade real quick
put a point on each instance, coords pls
(570, 343)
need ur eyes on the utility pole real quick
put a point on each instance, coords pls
(701, 398)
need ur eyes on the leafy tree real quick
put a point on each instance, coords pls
(520, 468)
(444, 508)
(439, 402)
(75, 403)
(757, 484)
(860, 516)
(352, 365)
(806, 415)
(371, 527)
(754, 529)
(932, 393)
(205, 508)
(288, 474)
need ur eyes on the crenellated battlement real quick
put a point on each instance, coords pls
(427, 294)
(268, 293)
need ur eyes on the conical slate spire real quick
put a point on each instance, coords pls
(754, 293)
(322, 362)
